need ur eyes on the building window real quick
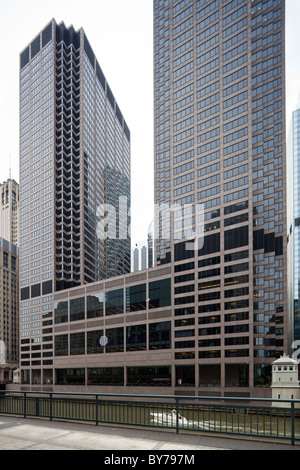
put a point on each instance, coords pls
(149, 376)
(77, 344)
(115, 338)
(70, 377)
(136, 338)
(61, 345)
(106, 376)
(236, 238)
(185, 376)
(262, 375)
(160, 336)
(136, 298)
(77, 309)
(95, 306)
(160, 294)
(5, 260)
(114, 302)
(13, 263)
(93, 342)
(61, 312)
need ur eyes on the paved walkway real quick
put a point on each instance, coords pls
(28, 434)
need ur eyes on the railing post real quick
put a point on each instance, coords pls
(50, 407)
(292, 423)
(177, 417)
(25, 404)
(96, 410)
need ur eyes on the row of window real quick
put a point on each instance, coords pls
(159, 338)
(215, 120)
(135, 337)
(113, 303)
(157, 376)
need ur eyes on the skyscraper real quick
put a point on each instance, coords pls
(220, 145)
(150, 241)
(136, 259)
(9, 211)
(295, 259)
(9, 309)
(140, 257)
(74, 160)
(9, 278)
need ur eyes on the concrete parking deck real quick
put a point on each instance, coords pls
(28, 434)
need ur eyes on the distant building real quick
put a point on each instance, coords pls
(150, 243)
(140, 258)
(142, 254)
(144, 259)
(9, 309)
(136, 264)
(9, 211)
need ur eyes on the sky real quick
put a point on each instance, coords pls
(121, 35)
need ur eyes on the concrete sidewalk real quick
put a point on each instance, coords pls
(28, 434)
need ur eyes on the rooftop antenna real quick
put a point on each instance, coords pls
(10, 167)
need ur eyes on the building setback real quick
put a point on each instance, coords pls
(74, 157)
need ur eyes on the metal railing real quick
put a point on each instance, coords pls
(247, 417)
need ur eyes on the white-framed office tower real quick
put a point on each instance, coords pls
(74, 157)
(220, 142)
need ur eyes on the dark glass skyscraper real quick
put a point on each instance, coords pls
(74, 158)
(219, 81)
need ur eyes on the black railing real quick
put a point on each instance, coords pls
(248, 417)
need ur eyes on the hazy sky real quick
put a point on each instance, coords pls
(120, 33)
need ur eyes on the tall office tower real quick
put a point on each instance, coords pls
(136, 259)
(74, 161)
(219, 81)
(150, 245)
(140, 258)
(9, 309)
(295, 259)
(9, 211)
(144, 260)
